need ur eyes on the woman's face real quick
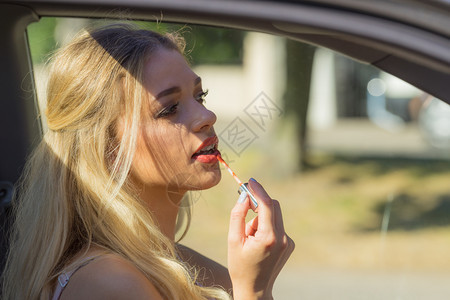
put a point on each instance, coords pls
(177, 145)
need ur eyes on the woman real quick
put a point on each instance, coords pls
(97, 208)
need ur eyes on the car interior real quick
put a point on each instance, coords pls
(376, 43)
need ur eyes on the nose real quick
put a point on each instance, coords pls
(204, 119)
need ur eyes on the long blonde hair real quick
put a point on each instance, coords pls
(75, 191)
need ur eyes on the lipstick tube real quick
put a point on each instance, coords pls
(243, 188)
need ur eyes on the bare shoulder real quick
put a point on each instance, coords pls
(109, 277)
(211, 273)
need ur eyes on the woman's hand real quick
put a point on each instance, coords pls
(258, 250)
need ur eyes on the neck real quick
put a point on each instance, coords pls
(164, 207)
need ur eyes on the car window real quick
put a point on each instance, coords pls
(359, 159)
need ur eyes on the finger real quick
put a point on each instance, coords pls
(265, 207)
(236, 233)
(288, 248)
(278, 216)
(251, 227)
(257, 188)
(291, 246)
(242, 197)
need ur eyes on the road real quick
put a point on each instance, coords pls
(317, 284)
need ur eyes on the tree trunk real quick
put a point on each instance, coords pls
(299, 60)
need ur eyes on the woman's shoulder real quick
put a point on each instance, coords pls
(211, 273)
(109, 276)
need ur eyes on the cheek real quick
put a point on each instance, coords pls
(171, 143)
(145, 161)
(143, 165)
(160, 155)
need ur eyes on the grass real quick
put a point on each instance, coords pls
(334, 212)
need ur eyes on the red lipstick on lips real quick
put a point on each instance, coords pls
(207, 151)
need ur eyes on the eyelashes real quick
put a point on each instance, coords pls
(172, 109)
(167, 111)
(201, 98)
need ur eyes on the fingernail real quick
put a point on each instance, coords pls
(253, 179)
(242, 197)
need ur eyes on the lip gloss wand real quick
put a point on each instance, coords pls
(242, 186)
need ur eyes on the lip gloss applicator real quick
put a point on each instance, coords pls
(242, 186)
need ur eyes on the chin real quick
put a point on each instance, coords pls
(208, 179)
(215, 179)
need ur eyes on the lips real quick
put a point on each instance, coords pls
(207, 151)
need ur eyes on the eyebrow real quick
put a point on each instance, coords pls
(175, 89)
(168, 91)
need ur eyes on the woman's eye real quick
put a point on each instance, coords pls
(167, 111)
(201, 98)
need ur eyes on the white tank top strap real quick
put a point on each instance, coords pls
(63, 278)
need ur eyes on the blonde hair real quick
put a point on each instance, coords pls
(75, 191)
